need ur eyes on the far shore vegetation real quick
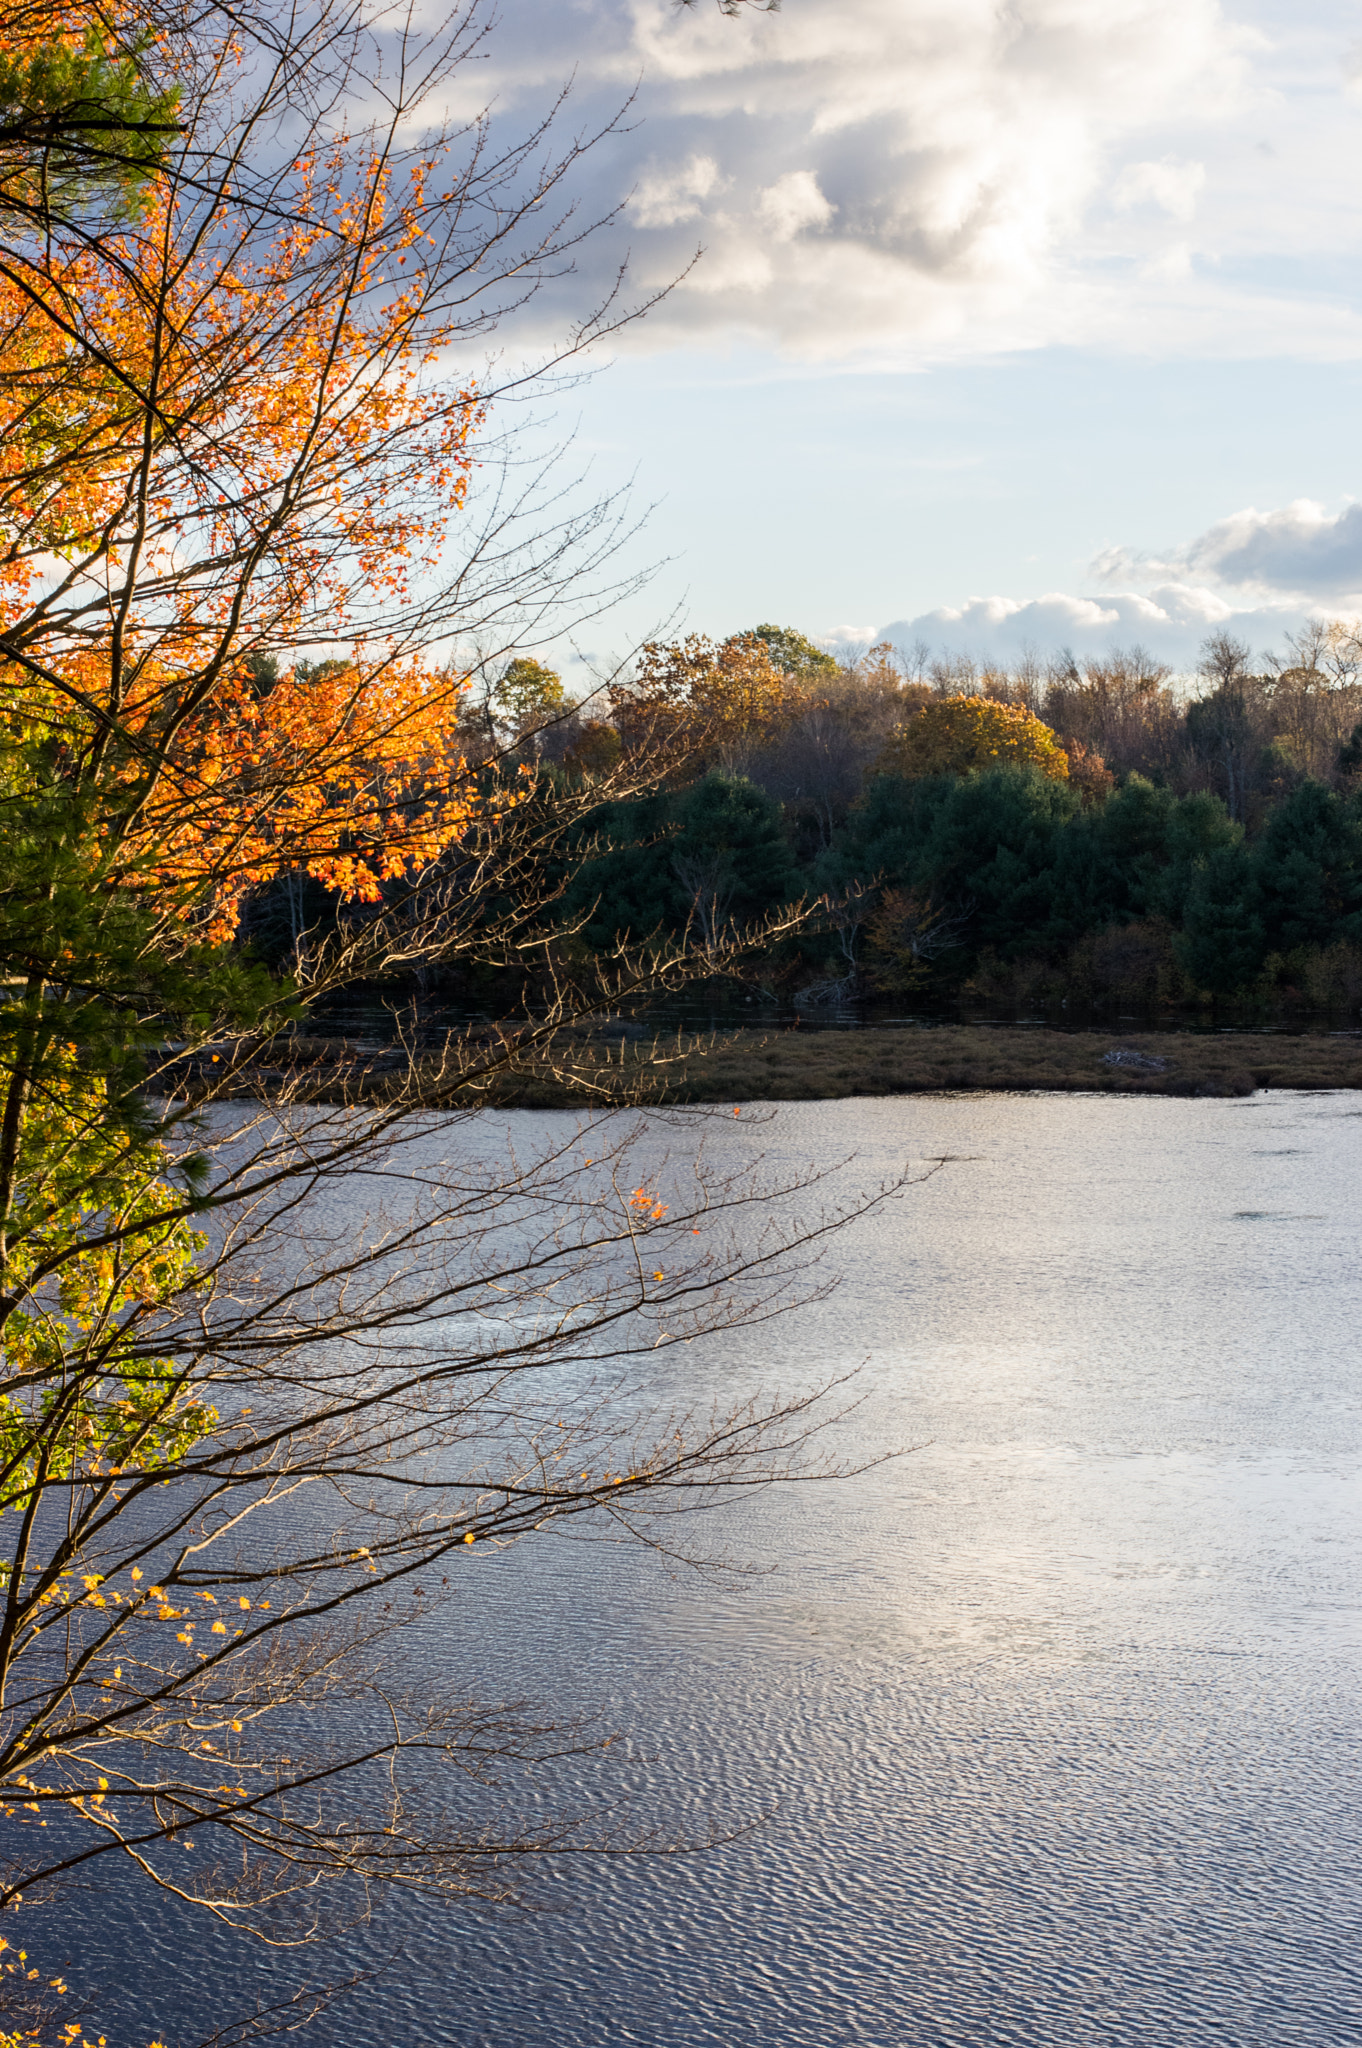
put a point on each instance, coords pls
(1087, 841)
(787, 1064)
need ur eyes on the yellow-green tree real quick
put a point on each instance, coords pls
(528, 691)
(957, 735)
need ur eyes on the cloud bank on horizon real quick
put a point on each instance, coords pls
(1261, 575)
(1170, 622)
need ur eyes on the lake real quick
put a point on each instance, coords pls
(1049, 1731)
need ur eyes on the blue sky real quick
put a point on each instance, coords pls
(1017, 321)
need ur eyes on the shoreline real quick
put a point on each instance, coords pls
(811, 1066)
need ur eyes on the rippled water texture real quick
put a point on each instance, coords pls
(1055, 1721)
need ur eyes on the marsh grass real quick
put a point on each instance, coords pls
(790, 1065)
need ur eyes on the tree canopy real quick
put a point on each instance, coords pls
(793, 652)
(957, 734)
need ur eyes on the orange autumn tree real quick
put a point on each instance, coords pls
(709, 700)
(238, 437)
(222, 444)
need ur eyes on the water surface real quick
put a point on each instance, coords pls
(1045, 1733)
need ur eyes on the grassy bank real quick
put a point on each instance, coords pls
(808, 1066)
(799, 1066)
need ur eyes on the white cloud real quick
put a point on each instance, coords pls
(1171, 264)
(792, 204)
(1171, 621)
(849, 636)
(663, 198)
(1172, 187)
(891, 181)
(1299, 551)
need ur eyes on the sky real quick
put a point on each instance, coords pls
(1014, 323)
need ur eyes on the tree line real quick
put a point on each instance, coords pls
(1081, 831)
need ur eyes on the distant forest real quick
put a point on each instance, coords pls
(1091, 831)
